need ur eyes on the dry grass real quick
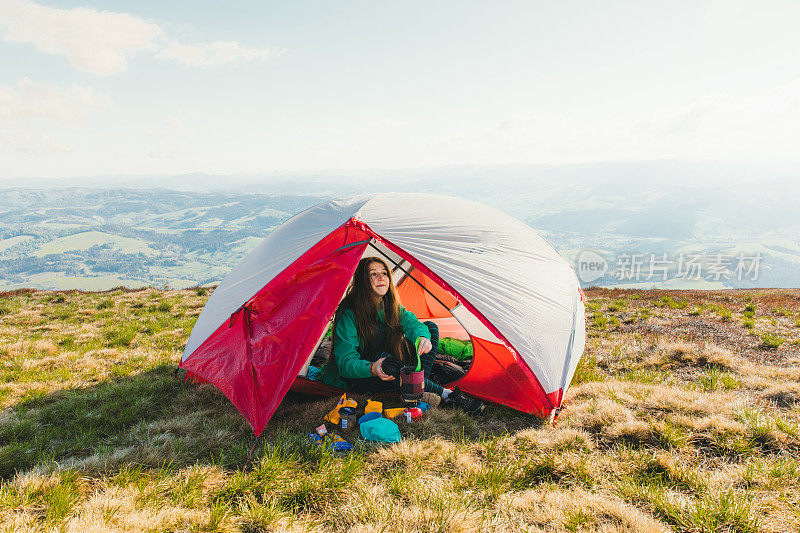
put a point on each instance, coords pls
(664, 429)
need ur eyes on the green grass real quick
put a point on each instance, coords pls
(617, 305)
(600, 320)
(712, 512)
(120, 334)
(79, 422)
(722, 312)
(90, 402)
(730, 381)
(770, 341)
(671, 435)
(575, 519)
(294, 475)
(670, 302)
(604, 322)
(503, 472)
(587, 370)
(653, 469)
(779, 474)
(787, 427)
(55, 499)
(715, 378)
(643, 375)
(106, 303)
(710, 379)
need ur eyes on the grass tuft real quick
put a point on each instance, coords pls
(587, 370)
(724, 511)
(670, 302)
(770, 341)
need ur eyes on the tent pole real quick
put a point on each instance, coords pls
(412, 277)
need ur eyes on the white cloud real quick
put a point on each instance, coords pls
(92, 41)
(29, 142)
(761, 128)
(24, 107)
(211, 54)
(100, 42)
(687, 120)
(39, 100)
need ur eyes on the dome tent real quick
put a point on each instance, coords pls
(502, 285)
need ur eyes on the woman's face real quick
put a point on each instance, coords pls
(378, 278)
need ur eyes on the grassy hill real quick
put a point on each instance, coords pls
(684, 415)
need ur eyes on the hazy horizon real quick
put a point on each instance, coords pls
(657, 174)
(99, 88)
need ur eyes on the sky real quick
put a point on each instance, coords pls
(121, 88)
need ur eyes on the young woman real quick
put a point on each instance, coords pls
(374, 336)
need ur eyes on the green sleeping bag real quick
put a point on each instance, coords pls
(455, 348)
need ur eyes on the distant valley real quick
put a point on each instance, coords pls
(90, 239)
(96, 237)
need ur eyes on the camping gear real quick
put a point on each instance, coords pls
(393, 412)
(445, 372)
(373, 407)
(424, 406)
(381, 430)
(431, 400)
(347, 417)
(456, 348)
(369, 416)
(479, 274)
(313, 373)
(336, 443)
(412, 414)
(344, 401)
(471, 406)
(412, 383)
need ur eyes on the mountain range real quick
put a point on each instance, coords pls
(179, 231)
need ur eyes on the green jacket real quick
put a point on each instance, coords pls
(347, 355)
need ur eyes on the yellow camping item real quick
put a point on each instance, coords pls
(373, 407)
(344, 401)
(391, 413)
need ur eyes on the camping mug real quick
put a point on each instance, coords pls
(412, 384)
(347, 417)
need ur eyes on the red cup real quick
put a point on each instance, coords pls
(412, 384)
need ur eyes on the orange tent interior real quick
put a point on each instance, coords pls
(429, 301)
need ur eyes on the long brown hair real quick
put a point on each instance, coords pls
(360, 298)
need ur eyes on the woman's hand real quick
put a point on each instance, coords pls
(424, 345)
(376, 369)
